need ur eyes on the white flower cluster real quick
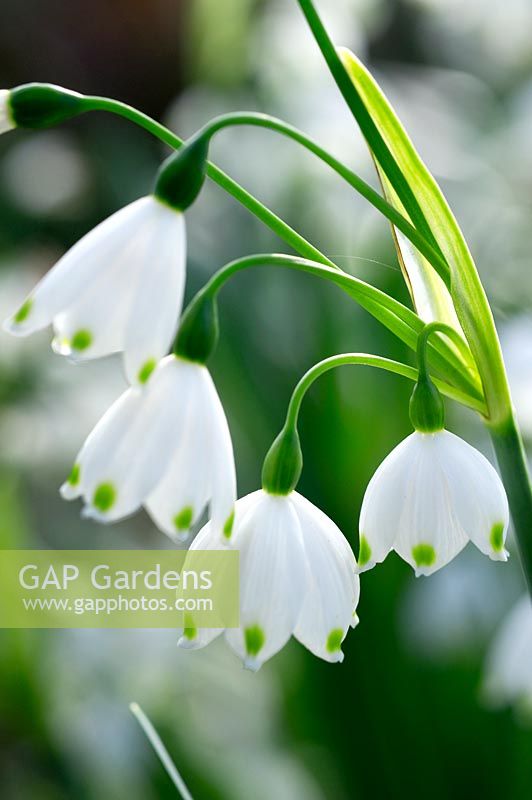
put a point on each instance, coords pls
(165, 445)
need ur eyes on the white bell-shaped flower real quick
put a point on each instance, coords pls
(429, 497)
(297, 577)
(6, 123)
(508, 670)
(120, 288)
(166, 446)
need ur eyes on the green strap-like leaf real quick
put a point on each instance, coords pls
(467, 295)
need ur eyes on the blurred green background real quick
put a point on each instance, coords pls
(404, 714)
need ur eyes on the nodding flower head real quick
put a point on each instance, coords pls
(428, 498)
(118, 289)
(166, 447)
(297, 577)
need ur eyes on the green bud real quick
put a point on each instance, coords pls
(198, 332)
(283, 463)
(181, 176)
(42, 105)
(427, 412)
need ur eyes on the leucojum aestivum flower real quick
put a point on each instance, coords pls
(120, 289)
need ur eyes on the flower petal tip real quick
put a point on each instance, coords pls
(184, 643)
(355, 620)
(252, 664)
(360, 568)
(499, 555)
(89, 512)
(68, 492)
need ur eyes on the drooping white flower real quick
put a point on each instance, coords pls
(166, 447)
(430, 496)
(297, 577)
(6, 123)
(508, 670)
(120, 288)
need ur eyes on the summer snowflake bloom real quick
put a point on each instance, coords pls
(428, 498)
(118, 289)
(6, 123)
(166, 446)
(297, 577)
(508, 672)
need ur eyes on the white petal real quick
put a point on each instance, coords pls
(181, 495)
(196, 638)
(273, 578)
(6, 122)
(130, 448)
(508, 673)
(81, 267)
(222, 466)
(429, 532)
(333, 587)
(158, 298)
(478, 496)
(383, 499)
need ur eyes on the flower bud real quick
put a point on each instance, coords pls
(426, 407)
(181, 176)
(198, 333)
(40, 105)
(283, 463)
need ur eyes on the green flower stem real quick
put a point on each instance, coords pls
(370, 131)
(271, 220)
(155, 741)
(423, 339)
(345, 359)
(513, 465)
(399, 319)
(271, 123)
(354, 180)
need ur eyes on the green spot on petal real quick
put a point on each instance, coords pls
(228, 527)
(497, 536)
(424, 555)
(183, 520)
(146, 370)
(334, 640)
(81, 340)
(104, 496)
(73, 478)
(190, 633)
(254, 638)
(364, 552)
(24, 311)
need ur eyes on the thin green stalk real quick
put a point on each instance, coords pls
(271, 220)
(370, 131)
(274, 124)
(155, 741)
(354, 180)
(345, 359)
(513, 465)
(403, 322)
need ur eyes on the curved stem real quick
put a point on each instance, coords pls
(424, 336)
(361, 359)
(262, 212)
(399, 319)
(354, 180)
(257, 208)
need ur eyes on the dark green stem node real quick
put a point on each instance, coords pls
(182, 175)
(42, 105)
(283, 463)
(198, 332)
